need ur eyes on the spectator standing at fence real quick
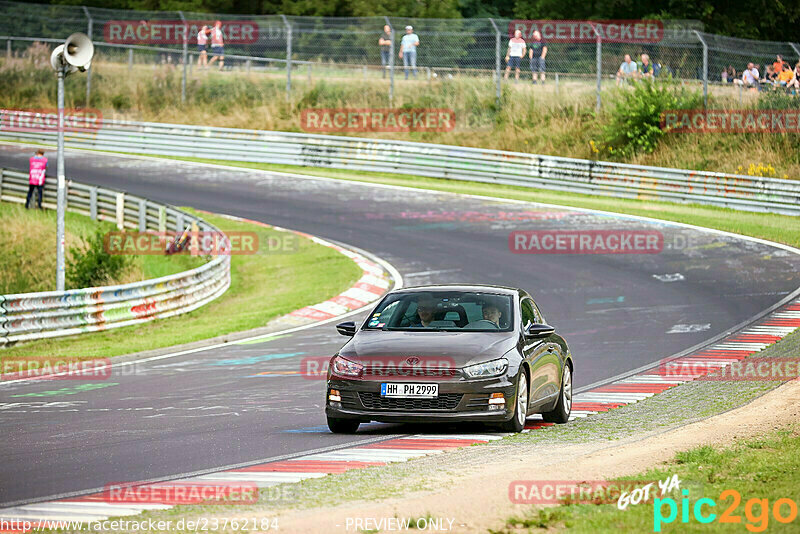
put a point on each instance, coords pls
(217, 45)
(646, 68)
(537, 51)
(408, 50)
(627, 70)
(38, 168)
(202, 42)
(515, 53)
(385, 43)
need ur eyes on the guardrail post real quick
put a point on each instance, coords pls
(162, 219)
(120, 211)
(89, 70)
(1, 183)
(130, 59)
(497, 51)
(705, 68)
(142, 215)
(179, 222)
(93, 203)
(288, 58)
(185, 54)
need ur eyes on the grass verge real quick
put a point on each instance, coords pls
(28, 261)
(263, 286)
(760, 471)
(779, 228)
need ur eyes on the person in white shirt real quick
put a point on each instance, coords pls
(202, 42)
(514, 54)
(408, 51)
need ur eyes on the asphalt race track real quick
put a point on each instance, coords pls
(227, 406)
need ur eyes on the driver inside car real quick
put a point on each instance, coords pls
(492, 313)
(426, 307)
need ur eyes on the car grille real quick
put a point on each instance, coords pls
(445, 401)
(385, 372)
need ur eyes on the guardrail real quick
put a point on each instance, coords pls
(438, 161)
(28, 316)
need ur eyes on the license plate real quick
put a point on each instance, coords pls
(409, 390)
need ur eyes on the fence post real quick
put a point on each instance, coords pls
(288, 58)
(8, 49)
(130, 59)
(89, 29)
(498, 85)
(391, 61)
(93, 203)
(185, 56)
(556, 84)
(705, 68)
(598, 66)
(309, 72)
(796, 50)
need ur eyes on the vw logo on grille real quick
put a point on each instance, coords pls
(412, 360)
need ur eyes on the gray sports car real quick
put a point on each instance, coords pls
(450, 353)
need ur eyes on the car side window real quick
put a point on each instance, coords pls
(528, 314)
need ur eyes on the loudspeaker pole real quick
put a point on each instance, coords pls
(62, 186)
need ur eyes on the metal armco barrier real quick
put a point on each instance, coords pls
(29, 316)
(438, 161)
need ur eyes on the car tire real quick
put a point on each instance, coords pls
(517, 421)
(560, 414)
(343, 426)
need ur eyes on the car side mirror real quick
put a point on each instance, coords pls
(537, 330)
(348, 328)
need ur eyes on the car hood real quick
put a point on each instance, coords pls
(457, 348)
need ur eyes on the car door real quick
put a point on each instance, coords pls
(542, 356)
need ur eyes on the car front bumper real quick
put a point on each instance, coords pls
(458, 400)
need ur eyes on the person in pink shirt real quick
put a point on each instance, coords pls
(38, 168)
(217, 45)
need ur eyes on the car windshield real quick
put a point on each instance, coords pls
(443, 310)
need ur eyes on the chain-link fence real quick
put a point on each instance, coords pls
(302, 50)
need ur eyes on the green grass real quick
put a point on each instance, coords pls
(263, 286)
(779, 228)
(28, 261)
(760, 468)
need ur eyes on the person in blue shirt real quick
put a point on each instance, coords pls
(408, 51)
(627, 70)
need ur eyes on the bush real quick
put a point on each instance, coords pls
(90, 265)
(635, 124)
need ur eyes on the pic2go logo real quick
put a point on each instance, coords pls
(756, 511)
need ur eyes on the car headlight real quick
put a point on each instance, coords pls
(487, 369)
(343, 367)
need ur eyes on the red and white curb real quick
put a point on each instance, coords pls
(630, 390)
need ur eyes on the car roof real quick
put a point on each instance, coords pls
(502, 290)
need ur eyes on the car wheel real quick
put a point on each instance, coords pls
(560, 414)
(343, 426)
(517, 421)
